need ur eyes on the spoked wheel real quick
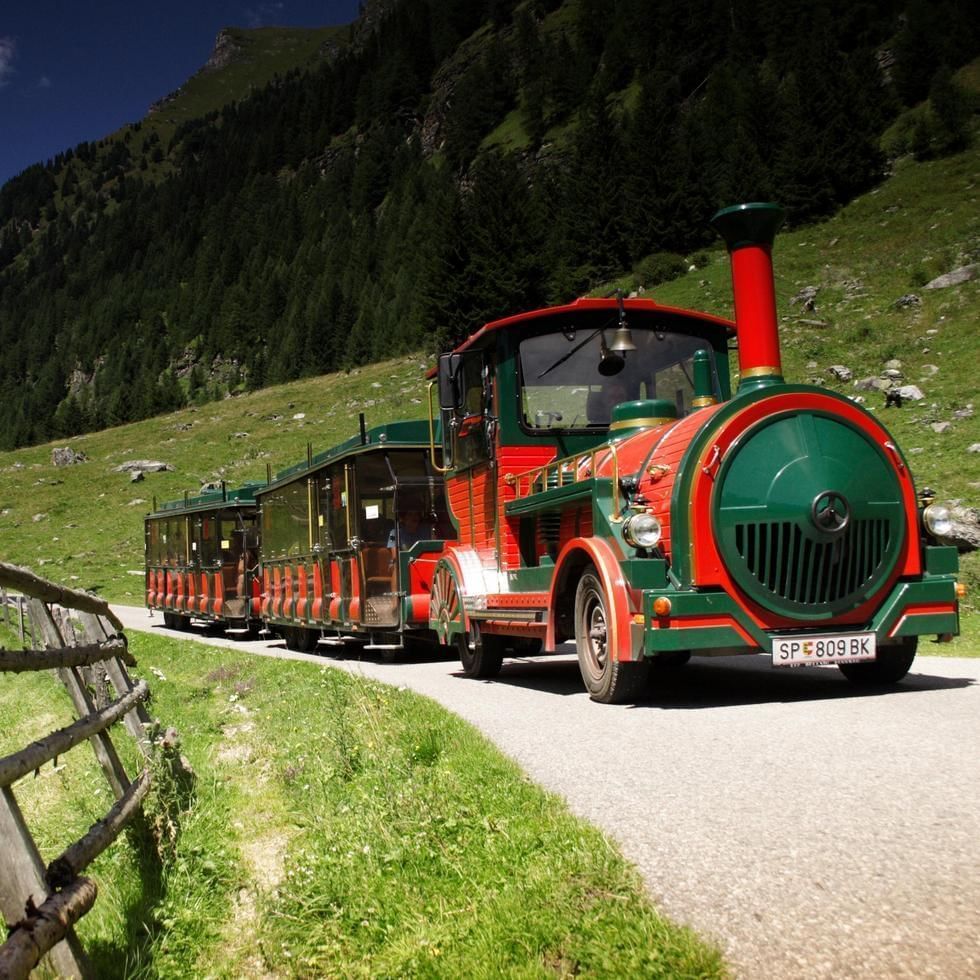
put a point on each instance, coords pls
(607, 679)
(445, 606)
(481, 654)
(892, 664)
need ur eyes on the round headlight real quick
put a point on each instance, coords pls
(937, 520)
(642, 531)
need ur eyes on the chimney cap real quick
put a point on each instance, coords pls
(748, 224)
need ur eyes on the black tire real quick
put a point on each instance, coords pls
(300, 639)
(174, 621)
(608, 680)
(484, 658)
(892, 664)
(527, 647)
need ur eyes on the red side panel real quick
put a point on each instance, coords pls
(513, 461)
(219, 593)
(317, 591)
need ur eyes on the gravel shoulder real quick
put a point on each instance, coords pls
(810, 829)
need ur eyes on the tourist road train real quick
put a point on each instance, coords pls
(587, 476)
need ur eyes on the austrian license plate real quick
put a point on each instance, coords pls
(817, 651)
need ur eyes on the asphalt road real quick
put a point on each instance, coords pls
(810, 829)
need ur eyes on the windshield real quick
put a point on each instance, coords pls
(562, 386)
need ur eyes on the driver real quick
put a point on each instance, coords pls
(601, 403)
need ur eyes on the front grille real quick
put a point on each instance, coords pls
(798, 569)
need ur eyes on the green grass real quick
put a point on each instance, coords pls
(341, 827)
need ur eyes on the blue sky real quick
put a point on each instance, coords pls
(72, 70)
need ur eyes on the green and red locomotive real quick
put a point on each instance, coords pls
(202, 556)
(609, 489)
(597, 482)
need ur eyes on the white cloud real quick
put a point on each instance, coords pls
(8, 52)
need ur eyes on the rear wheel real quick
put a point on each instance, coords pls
(174, 621)
(607, 679)
(484, 657)
(300, 639)
(890, 666)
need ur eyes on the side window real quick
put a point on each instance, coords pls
(336, 513)
(470, 433)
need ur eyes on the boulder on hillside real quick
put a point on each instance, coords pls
(144, 465)
(963, 274)
(910, 393)
(66, 456)
(965, 533)
(909, 299)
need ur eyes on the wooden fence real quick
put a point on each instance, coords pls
(87, 648)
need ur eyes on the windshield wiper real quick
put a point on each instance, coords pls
(561, 360)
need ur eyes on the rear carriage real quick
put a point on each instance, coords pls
(202, 556)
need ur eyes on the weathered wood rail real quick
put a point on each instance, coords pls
(87, 648)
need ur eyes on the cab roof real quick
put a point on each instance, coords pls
(592, 308)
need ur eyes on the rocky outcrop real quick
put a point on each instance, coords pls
(66, 456)
(143, 465)
(226, 50)
(963, 274)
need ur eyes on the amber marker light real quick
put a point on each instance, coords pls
(661, 606)
(961, 590)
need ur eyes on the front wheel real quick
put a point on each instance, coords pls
(890, 666)
(607, 679)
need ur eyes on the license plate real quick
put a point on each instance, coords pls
(818, 651)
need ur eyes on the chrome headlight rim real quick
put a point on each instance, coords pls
(642, 530)
(937, 520)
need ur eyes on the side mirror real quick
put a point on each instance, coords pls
(450, 397)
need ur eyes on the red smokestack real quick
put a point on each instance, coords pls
(749, 230)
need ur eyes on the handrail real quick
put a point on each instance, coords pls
(432, 434)
(568, 465)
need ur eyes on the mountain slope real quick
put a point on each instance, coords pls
(457, 160)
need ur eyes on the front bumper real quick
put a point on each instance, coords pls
(715, 621)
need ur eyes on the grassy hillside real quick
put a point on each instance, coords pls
(83, 524)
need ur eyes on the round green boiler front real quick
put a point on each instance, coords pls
(809, 515)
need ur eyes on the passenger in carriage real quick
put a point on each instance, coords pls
(410, 529)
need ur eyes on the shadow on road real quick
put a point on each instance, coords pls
(724, 682)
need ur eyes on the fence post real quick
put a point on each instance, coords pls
(22, 873)
(105, 751)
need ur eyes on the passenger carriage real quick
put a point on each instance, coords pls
(202, 556)
(337, 563)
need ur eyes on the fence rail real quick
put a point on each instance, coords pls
(83, 642)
